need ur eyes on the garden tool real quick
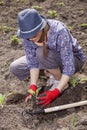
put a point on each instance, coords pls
(52, 109)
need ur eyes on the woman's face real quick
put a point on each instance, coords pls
(36, 38)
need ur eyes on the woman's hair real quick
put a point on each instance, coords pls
(45, 50)
(44, 39)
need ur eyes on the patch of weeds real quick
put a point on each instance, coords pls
(52, 13)
(1, 3)
(39, 8)
(6, 29)
(14, 40)
(73, 121)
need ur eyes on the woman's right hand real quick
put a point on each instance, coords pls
(31, 91)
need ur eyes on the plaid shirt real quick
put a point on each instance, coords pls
(60, 40)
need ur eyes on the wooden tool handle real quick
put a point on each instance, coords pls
(62, 107)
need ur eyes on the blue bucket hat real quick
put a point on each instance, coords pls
(30, 22)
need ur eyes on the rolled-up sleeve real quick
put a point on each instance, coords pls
(66, 53)
(30, 52)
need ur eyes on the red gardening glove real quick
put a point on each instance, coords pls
(47, 97)
(31, 91)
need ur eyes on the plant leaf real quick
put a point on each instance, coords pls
(31, 92)
(2, 99)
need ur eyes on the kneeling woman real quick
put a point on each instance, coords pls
(48, 45)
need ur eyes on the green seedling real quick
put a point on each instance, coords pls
(73, 120)
(53, 13)
(35, 94)
(82, 11)
(31, 92)
(2, 100)
(14, 40)
(1, 3)
(61, 4)
(69, 27)
(38, 90)
(74, 81)
(39, 8)
(6, 29)
(83, 80)
(84, 25)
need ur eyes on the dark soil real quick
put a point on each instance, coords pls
(74, 14)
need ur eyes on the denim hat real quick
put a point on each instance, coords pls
(30, 22)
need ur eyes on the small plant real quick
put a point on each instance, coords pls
(69, 27)
(61, 4)
(52, 13)
(14, 40)
(84, 25)
(35, 94)
(6, 29)
(74, 81)
(78, 80)
(37, 7)
(83, 80)
(1, 2)
(82, 11)
(73, 120)
(2, 100)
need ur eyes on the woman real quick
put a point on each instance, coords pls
(48, 45)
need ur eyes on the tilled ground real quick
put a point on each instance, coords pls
(73, 14)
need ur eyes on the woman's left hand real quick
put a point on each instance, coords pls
(47, 97)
